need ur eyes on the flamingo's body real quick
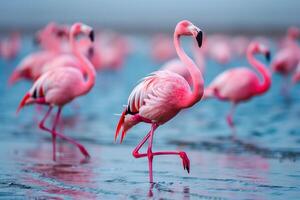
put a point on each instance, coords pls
(161, 95)
(241, 84)
(61, 85)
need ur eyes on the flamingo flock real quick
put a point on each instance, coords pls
(70, 56)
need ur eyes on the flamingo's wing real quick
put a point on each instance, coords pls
(157, 93)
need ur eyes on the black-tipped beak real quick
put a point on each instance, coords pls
(268, 56)
(199, 38)
(92, 36)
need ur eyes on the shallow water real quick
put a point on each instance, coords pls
(261, 163)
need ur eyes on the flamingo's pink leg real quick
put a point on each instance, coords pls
(150, 154)
(229, 118)
(285, 88)
(53, 131)
(80, 146)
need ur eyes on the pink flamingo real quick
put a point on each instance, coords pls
(286, 60)
(293, 33)
(32, 66)
(241, 84)
(160, 96)
(10, 47)
(57, 87)
(52, 36)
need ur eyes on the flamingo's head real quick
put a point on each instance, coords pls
(186, 27)
(80, 28)
(256, 47)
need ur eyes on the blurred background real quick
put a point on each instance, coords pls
(134, 16)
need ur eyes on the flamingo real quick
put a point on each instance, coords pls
(51, 37)
(161, 95)
(292, 34)
(286, 60)
(241, 84)
(35, 64)
(10, 47)
(60, 86)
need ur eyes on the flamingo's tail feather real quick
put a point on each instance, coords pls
(23, 102)
(125, 123)
(120, 124)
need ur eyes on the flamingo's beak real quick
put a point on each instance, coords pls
(92, 36)
(23, 102)
(199, 38)
(268, 56)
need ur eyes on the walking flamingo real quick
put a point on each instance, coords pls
(241, 84)
(60, 86)
(161, 95)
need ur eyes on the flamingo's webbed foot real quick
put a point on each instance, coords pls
(185, 161)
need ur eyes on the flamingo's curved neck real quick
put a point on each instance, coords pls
(197, 91)
(261, 68)
(87, 66)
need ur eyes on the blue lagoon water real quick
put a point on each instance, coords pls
(261, 163)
